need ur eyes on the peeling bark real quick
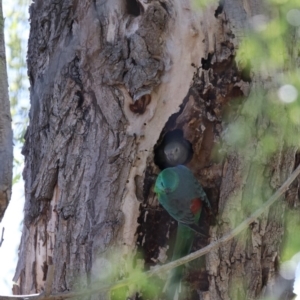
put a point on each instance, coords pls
(108, 80)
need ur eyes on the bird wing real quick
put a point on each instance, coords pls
(192, 187)
(201, 194)
(178, 208)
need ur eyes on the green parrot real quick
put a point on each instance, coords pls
(182, 196)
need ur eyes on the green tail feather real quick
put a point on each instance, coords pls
(183, 244)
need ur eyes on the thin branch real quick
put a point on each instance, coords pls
(162, 269)
(2, 236)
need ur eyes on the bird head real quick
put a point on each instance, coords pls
(166, 182)
(172, 152)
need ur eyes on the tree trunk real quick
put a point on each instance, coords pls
(6, 153)
(108, 80)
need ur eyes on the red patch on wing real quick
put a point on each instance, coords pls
(196, 205)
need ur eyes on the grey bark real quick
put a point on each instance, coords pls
(108, 80)
(6, 147)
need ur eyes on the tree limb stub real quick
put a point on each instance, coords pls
(162, 269)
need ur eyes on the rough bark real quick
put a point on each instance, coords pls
(108, 80)
(6, 152)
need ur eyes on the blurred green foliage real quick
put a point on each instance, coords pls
(16, 36)
(270, 116)
(202, 4)
(292, 240)
(118, 267)
(270, 119)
